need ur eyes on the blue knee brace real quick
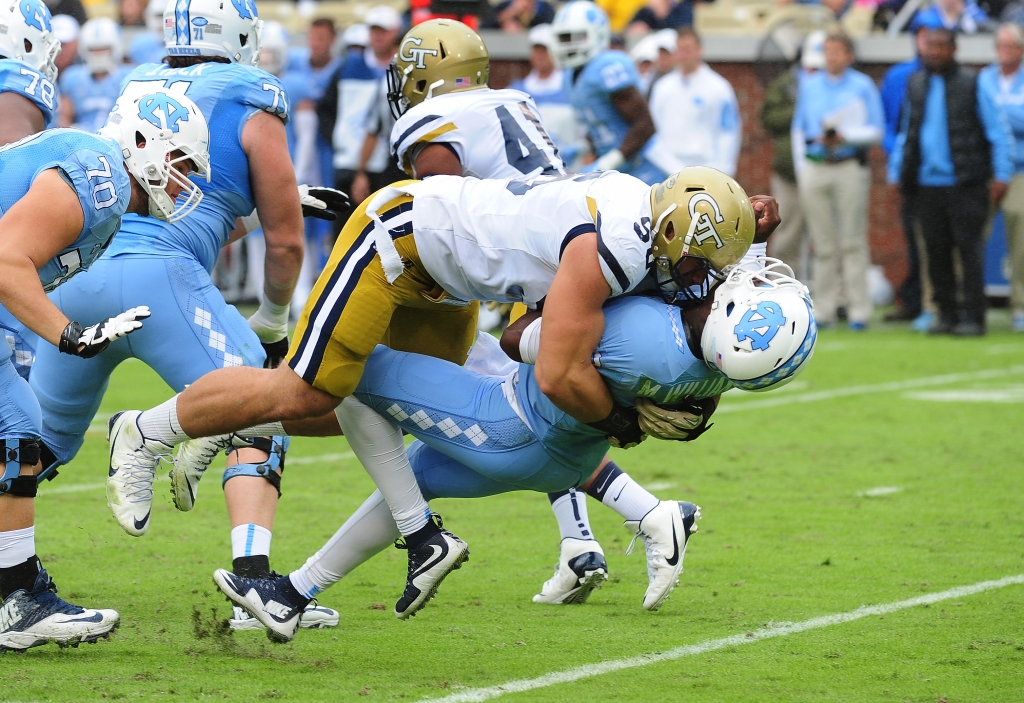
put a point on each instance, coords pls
(271, 469)
(18, 453)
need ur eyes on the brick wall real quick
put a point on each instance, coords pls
(754, 173)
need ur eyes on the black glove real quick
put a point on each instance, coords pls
(322, 203)
(622, 427)
(276, 352)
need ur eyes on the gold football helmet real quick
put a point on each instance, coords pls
(434, 58)
(702, 223)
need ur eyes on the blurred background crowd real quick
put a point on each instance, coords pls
(892, 132)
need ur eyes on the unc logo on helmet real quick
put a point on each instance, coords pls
(246, 9)
(171, 112)
(760, 325)
(415, 55)
(35, 15)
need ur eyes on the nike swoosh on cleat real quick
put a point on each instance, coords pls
(438, 556)
(675, 546)
(139, 524)
(98, 617)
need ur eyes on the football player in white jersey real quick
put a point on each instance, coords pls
(450, 122)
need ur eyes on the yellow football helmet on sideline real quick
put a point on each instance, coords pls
(435, 58)
(702, 222)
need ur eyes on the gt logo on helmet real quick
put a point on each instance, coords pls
(171, 112)
(34, 15)
(703, 229)
(417, 55)
(760, 325)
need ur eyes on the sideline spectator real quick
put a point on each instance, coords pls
(546, 86)
(953, 139)
(777, 119)
(148, 46)
(894, 93)
(520, 15)
(654, 56)
(696, 117)
(955, 15)
(620, 12)
(838, 117)
(354, 95)
(66, 30)
(131, 13)
(1005, 81)
(72, 8)
(661, 14)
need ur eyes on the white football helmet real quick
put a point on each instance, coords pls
(273, 47)
(228, 28)
(581, 31)
(26, 35)
(156, 130)
(100, 45)
(761, 329)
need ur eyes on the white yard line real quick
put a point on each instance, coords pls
(81, 487)
(880, 491)
(894, 386)
(775, 630)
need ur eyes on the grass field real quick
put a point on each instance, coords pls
(893, 468)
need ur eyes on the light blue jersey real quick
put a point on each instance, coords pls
(91, 97)
(93, 167)
(591, 91)
(228, 95)
(480, 435)
(16, 77)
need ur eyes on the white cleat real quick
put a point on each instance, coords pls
(581, 569)
(193, 458)
(33, 618)
(665, 532)
(314, 617)
(133, 462)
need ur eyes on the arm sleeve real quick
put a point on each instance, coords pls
(997, 131)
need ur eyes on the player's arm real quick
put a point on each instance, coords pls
(48, 219)
(573, 325)
(277, 204)
(436, 160)
(21, 119)
(630, 104)
(512, 337)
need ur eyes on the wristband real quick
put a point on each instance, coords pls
(529, 342)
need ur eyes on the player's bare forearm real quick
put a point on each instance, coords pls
(277, 203)
(323, 426)
(513, 334)
(23, 296)
(232, 399)
(631, 105)
(573, 325)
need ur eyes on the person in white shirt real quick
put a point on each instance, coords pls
(696, 116)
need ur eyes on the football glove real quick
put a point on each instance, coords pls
(621, 427)
(98, 337)
(322, 203)
(276, 352)
(684, 422)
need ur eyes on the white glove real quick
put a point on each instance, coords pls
(270, 322)
(98, 337)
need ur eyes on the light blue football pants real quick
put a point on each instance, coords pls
(19, 410)
(192, 331)
(471, 442)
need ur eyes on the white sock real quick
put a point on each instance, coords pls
(161, 423)
(267, 429)
(570, 510)
(17, 546)
(628, 498)
(250, 540)
(379, 447)
(370, 530)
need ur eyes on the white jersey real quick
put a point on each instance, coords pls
(502, 240)
(494, 133)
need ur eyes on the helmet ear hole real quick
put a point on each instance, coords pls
(670, 232)
(421, 86)
(28, 46)
(444, 54)
(729, 308)
(140, 141)
(243, 39)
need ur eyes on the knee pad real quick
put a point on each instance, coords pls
(271, 469)
(18, 453)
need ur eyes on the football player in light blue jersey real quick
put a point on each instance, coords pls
(28, 99)
(89, 90)
(604, 88)
(62, 199)
(168, 266)
(483, 434)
